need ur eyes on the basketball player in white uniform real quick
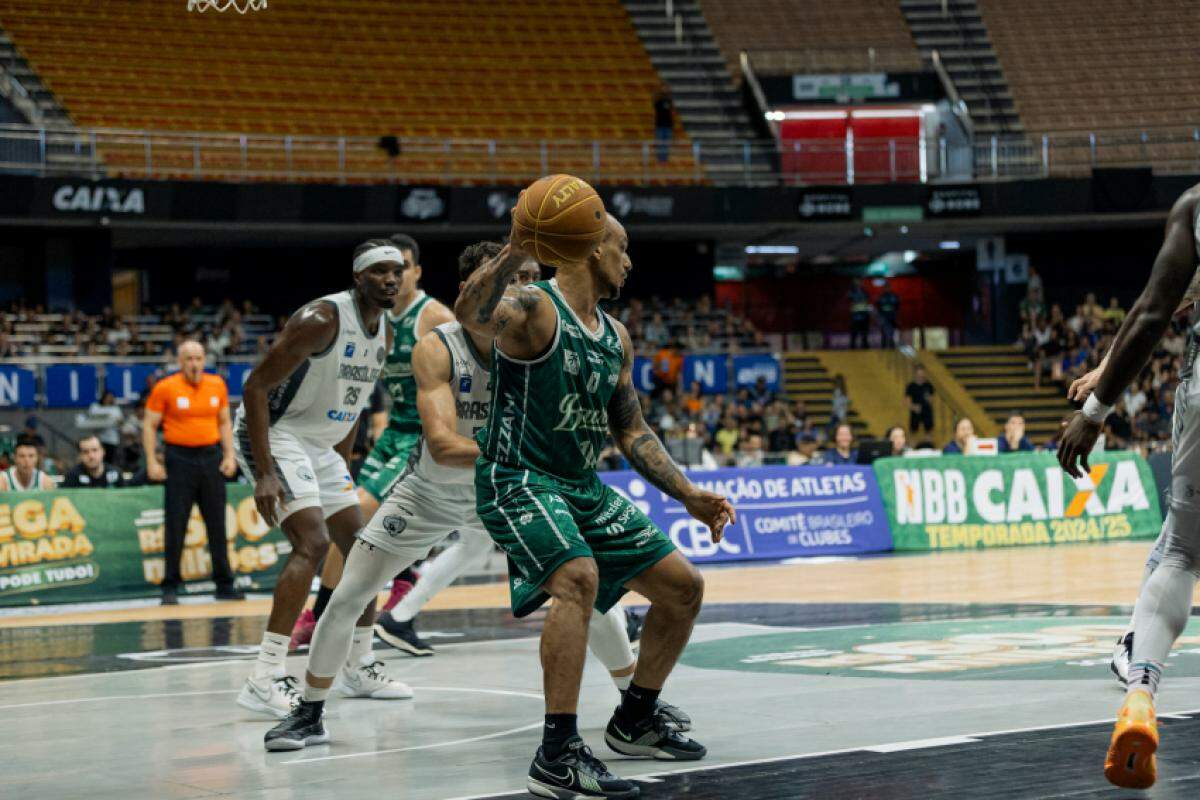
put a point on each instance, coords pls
(24, 475)
(434, 497)
(293, 434)
(1165, 601)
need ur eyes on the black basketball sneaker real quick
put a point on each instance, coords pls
(634, 622)
(576, 775)
(1121, 658)
(674, 716)
(304, 726)
(653, 737)
(402, 636)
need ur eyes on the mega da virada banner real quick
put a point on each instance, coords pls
(81, 545)
(965, 502)
(781, 512)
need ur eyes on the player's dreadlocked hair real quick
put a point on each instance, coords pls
(470, 259)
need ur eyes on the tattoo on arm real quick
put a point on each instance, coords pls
(486, 288)
(645, 452)
(647, 455)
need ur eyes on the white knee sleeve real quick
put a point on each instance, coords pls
(367, 569)
(470, 550)
(608, 639)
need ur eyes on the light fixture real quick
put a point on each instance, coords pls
(772, 249)
(949, 244)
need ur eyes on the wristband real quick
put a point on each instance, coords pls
(1094, 411)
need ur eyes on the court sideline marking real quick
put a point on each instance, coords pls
(652, 777)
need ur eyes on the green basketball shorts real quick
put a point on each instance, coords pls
(387, 460)
(542, 522)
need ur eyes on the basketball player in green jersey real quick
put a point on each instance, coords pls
(413, 315)
(561, 382)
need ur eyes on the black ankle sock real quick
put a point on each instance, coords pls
(637, 702)
(323, 595)
(407, 574)
(317, 706)
(557, 730)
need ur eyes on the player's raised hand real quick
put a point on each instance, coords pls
(712, 509)
(1078, 439)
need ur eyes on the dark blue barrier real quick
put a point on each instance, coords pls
(783, 512)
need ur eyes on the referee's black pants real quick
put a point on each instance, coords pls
(194, 476)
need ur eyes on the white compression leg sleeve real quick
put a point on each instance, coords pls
(470, 550)
(367, 569)
(609, 640)
(1152, 562)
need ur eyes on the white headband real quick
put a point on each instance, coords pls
(377, 254)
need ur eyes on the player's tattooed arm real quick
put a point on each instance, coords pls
(647, 455)
(482, 305)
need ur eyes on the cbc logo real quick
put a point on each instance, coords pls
(691, 537)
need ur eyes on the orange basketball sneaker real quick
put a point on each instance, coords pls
(1130, 762)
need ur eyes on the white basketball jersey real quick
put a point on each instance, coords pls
(469, 381)
(320, 402)
(14, 483)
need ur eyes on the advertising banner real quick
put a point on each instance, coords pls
(967, 502)
(83, 545)
(783, 512)
(748, 369)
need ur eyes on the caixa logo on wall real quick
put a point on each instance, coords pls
(98, 198)
(423, 203)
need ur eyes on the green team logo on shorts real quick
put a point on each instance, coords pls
(1028, 648)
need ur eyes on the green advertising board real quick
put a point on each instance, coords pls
(967, 502)
(83, 545)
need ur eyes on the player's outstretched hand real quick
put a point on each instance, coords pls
(1082, 386)
(712, 509)
(1078, 439)
(268, 498)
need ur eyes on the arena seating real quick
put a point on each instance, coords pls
(1095, 65)
(567, 70)
(837, 31)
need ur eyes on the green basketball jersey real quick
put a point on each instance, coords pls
(550, 415)
(397, 374)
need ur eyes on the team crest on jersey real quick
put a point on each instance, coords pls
(394, 524)
(594, 357)
(570, 363)
(349, 350)
(612, 379)
(526, 518)
(304, 474)
(464, 384)
(380, 355)
(593, 382)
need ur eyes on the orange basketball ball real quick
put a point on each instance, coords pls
(559, 219)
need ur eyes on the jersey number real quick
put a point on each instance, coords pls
(351, 396)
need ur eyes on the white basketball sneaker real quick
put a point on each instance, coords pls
(1122, 655)
(272, 695)
(369, 680)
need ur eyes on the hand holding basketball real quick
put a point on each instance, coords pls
(559, 220)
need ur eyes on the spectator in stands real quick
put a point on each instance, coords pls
(664, 122)
(839, 403)
(92, 472)
(888, 307)
(761, 393)
(668, 367)
(860, 315)
(9, 348)
(777, 422)
(1014, 438)
(805, 450)
(654, 332)
(920, 406)
(693, 404)
(104, 420)
(1033, 305)
(899, 440)
(1118, 430)
(750, 451)
(1114, 313)
(963, 442)
(24, 475)
(29, 433)
(800, 412)
(727, 437)
(688, 450)
(843, 450)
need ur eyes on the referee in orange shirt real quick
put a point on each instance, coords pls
(193, 407)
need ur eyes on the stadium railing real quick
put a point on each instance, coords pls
(98, 153)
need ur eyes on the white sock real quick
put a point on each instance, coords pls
(272, 655)
(360, 647)
(623, 681)
(314, 695)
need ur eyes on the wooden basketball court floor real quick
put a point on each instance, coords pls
(975, 674)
